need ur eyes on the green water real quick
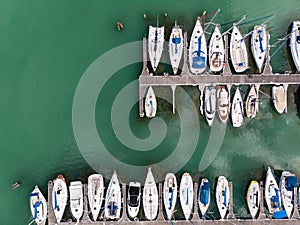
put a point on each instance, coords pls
(46, 46)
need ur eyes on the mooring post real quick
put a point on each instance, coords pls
(51, 216)
(226, 68)
(230, 205)
(160, 216)
(173, 97)
(261, 213)
(185, 68)
(85, 217)
(196, 214)
(124, 216)
(295, 212)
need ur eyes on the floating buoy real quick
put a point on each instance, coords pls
(119, 25)
(166, 14)
(15, 185)
(145, 15)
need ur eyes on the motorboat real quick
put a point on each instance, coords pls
(223, 105)
(150, 197)
(238, 51)
(113, 201)
(295, 43)
(222, 196)
(259, 45)
(155, 45)
(272, 193)
(59, 197)
(210, 104)
(76, 199)
(253, 198)
(150, 103)
(279, 97)
(237, 109)
(133, 199)
(216, 51)
(198, 49)
(251, 103)
(186, 193)
(95, 194)
(204, 196)
(170, 194)
(38, 206)
(175, 47)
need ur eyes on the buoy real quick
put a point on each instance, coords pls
(166, 14)
(145, 16)
(15, 185)
(119, 25)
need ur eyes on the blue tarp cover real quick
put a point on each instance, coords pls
(280, 214)
(33, 194)
(275, 199)
(291, 182)
(112, 208)
(176, 41)
(225, 200)
(171, 199)
(260, 40)
(204, 193)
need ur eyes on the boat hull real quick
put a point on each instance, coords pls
(272, 193)
(216, 51)
(175, 47)
(186, 192)
(38, 206)
(170, 194)
(251, 103)
(210, 104)
(259, 45)
(150, 103)
(223, 106)
(76, 199)
(222, 195)
(237, 109)
(295, 43)
(253, 198)
(204, 196)
(133, 199)
(279, 97)
(95, 194)
(155, 45)
(59, 197)
(150, 197)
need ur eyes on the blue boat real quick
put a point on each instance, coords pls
(204, 196)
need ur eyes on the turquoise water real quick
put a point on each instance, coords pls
(46, 46)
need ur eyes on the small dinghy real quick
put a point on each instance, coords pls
(223, 106)
(198, 49)
(155, 45)
(253, 198)
(222, 196)
(76, 199)
(210, 104)
(186, 195)
(216, 51)
(288, 182)
(295, 43)
(175, 47)
(251, 103)
(112, 206)
(170, 194)
(279, 96)
(204, 196)
(259, 45)
(38, 206)
(272, 193)
(238, 51)
(95, 194)
(150, 197)
(150, 103)
(237, 109)
(59, 197)
(133, 199)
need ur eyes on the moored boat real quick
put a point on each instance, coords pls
(175, 47)
(272, 193)
(295, 43)
(279, 97)
(95, 194)
(112, 206)
(198, 49)
(216, 51)
(155, 45)
(150, 103)
(210, 104)
(76, 199)
(238, 51)
(170, 194)
(38, 206)
(133, 199)
(59, 197)
(186, 192)
(222, 196)
(253, 198)
(237, 109)
(204, 196)
(251, 103)
(150, 197)
(223, 106)
(259, 45)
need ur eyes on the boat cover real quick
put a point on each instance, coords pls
(33, 194)
(35, 206)
(112, 209)
(204, 193)
(275, 199)
(291, 183)
(280, 214)
(171, 199)
(176, 41)
(199, 60)
(225, 200)
(55, 201)
(260, 40)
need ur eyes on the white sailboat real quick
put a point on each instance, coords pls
(155, 45)
(222, 196)
(259, 45)
(295, 43)
(238, 51)
(204, 196)
(38, 206)
(76, 199)
(150, 103)
(210, 104)
(59, 197)
(251, 103)
(288, 182)
(95, 194)
(237, 109)
(216, 51)
(223, 105)
(112, 206)
(272, 193)
(186, 192)
(150, 197)
(198, 49)
(279, 96)
(170, 194)
(253, 198)
(133, 199)
(175, 47)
